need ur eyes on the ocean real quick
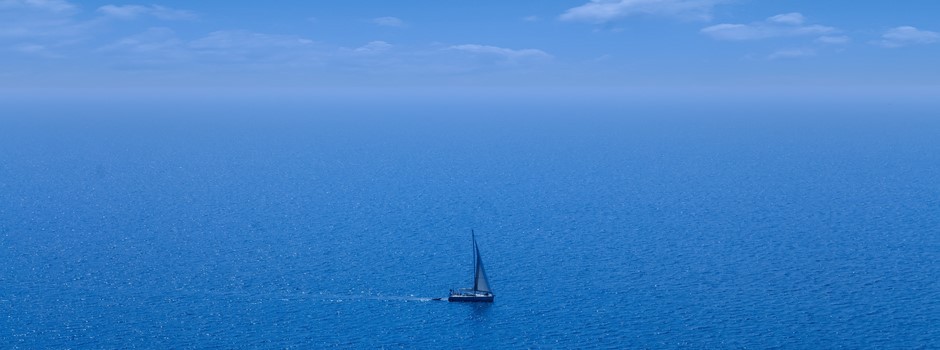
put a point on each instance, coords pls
(605, 222)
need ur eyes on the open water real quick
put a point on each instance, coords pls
(604, 223)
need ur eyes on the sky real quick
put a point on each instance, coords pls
(380, 43)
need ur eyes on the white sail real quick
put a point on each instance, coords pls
(479, 274)
(479, 279)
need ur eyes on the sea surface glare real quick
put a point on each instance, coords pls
(603, 224)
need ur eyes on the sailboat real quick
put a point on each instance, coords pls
(481, 287)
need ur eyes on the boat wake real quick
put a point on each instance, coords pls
(296, 296)
(342, 298)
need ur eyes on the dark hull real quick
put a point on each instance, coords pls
(471, 298)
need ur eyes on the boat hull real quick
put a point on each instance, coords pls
(471, 298)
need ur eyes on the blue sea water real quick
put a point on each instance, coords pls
(782, 222)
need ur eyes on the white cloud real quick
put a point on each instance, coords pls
(600, 11)
(907, 35)
(792, 53)
(500, 51)
(388, 22)
(530, 18)
(128, 12)
(785, 25)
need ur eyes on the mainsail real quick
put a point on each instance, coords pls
(479, 274)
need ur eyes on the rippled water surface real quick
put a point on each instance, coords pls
(602, 227)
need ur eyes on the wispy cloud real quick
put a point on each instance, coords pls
(785, 25)
(58, 28)
(907, 35)
(241, 46)
(792, 53)
(373, 47)
(153, 39)
(42, 27)
(834, 40)
(792, 18)
(389, 22)
(152, 47)
(128, 12)
(230, 39)
(601, 11)
(159, 46)
(58, 6)
(500, 51)
(29, 48)
(22, 19)
(37, 50)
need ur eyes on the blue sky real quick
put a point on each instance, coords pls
(632, 43)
